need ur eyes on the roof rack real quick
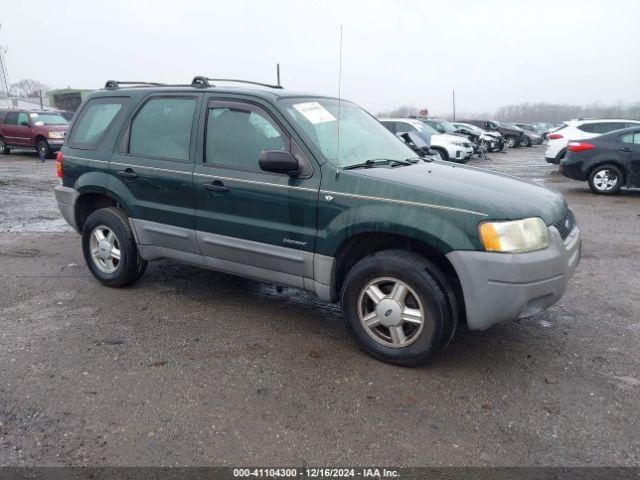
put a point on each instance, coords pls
(204, 82)
(113, 84)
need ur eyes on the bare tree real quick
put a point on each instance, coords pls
(28, 88)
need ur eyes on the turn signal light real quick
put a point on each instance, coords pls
(554, 136)
(580, 146)
(59, 158)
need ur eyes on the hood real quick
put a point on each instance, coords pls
(447, 137)
(501, 197)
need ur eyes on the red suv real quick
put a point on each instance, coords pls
(34, 129)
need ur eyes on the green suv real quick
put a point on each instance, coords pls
(314, 193)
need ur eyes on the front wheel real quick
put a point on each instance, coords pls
(512, 142)
(110, 249)
(43, 149)
(605, 180)
(441, 153)
(398, 307)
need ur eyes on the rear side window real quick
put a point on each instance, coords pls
(94, 121)
(633, 137)
(162, 128)
(11, 118)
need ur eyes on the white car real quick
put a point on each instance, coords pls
(455, 148)
(578, 130)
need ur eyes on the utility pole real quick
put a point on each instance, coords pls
(4, 77)
(454, 104)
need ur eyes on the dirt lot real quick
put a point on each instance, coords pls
(193, 367)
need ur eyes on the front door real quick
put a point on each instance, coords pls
(152, 168)
(630, 154)
(245, 215)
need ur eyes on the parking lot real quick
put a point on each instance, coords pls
(191, 367)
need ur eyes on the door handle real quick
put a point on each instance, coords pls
(625, 149)
(127, 173)
(216, 186)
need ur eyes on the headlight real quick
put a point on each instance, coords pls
(459, 144)
(524, 235)
(56, 135)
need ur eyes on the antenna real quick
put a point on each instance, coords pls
(278, 75)
(339, 102)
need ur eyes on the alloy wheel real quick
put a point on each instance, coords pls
(605, 180)
(391, 312)
(105, 249)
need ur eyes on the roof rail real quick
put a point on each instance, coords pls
(113, 84)
(204, 82)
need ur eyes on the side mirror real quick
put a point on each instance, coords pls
(24, 123)
(279, 161)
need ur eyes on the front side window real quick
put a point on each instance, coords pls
(94, 120)
(162, 128)
(361, 136)
(236, 136)
(22, 119)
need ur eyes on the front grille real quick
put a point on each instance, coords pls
(466, 144)
(566, 224)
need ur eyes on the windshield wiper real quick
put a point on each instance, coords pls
(375, 162)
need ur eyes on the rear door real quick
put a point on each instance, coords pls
(153, 167)
(243, 214)
(10, 129)
(630, 153)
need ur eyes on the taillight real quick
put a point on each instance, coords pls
(59, 158)
(554, 136)
(580, 146)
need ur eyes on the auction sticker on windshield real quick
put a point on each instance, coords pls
(314, 112)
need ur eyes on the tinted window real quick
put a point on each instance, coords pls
(11, 118)
(235, 137)
(601, 127)
(22, 118)
(162, 128)
(391, 126)
(633, 137)
(94, 120)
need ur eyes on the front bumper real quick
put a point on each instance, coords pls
(67, 198)
(498, 287)
(55, 145)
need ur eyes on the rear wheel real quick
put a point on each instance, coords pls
(110, 248)
(43, 148)
(398, 307)
(525, 142)
(3, 147)
(605, 180)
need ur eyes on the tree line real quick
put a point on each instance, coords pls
(538, 112)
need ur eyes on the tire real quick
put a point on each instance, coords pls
(3, 147)
(43, 148)
(442, 152)
(512, 141)
(107, 269)
(525, 142)
(426, 292)
(606, 180)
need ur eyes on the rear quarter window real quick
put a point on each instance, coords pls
(601, 127)
(94, 121)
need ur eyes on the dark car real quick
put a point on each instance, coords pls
(532, 134)
(607, 162)
(254, 182)
(514, 136)
(43, 131)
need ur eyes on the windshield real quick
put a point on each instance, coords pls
(426, 128)
(442, 126)
(362, 137)
(48, 119)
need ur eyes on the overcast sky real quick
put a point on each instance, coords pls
(394, 52)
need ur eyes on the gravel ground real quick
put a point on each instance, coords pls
(191, 367)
